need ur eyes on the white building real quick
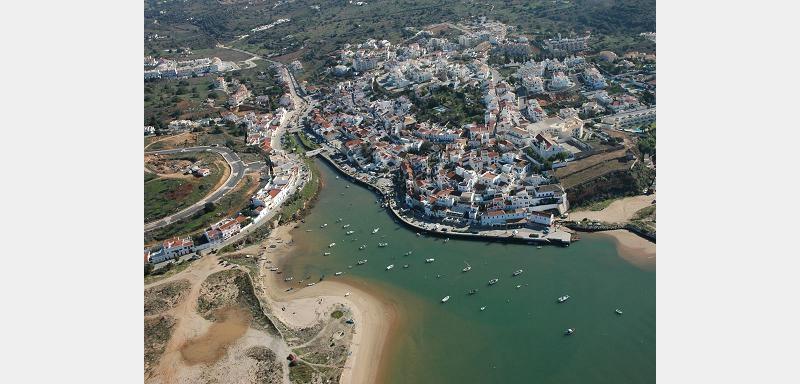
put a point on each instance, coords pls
(630, 119)
(560, 81)
(593, 79)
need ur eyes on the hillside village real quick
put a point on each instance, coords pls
(495, 168)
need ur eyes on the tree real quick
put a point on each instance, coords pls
(209, 207)
(148, 269)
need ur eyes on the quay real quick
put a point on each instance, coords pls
(383, 189)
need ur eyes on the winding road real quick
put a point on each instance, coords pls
(238, 170)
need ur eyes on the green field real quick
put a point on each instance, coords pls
(233, 202)
(164, 195)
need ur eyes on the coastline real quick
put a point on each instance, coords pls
(375, 317)
(633, 248)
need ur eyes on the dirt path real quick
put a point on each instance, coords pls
(172, 366)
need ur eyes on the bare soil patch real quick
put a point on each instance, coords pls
(211, 346)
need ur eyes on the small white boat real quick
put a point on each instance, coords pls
(445, 299)
(323, 225)
(569, 331)
(518, 286)
(430, 260)
(350, 232)
(467, 268)
(618, 311)
(361, 262)
(308, 230)
(288, 279)
(326, 254)
(338, 274)
(517, 272)
(483, 308)
(346, 226)
(390, 267)
(447, 239)
(361, 248)
(407, 253)
(493, 281)
(376, 230)
(311, 284)
(339, 220)
(337, 177)
(382, 244)
(563, 298)
(418, 234)
(405, 265)
(539, 247)
(347, 294)
(331, 245)
(347, 186)
(273, 269)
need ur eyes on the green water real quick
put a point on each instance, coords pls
(518, 338)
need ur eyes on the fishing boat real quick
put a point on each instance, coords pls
(361, 248)
(311, 284)
(337, 274)
(618, 311)
(444, 300)
(273, 269)
(472, 291)
(569, 331)
(323, 225)
(361, 262)
(517, 272)
(339, 220)
(288, 279)
(482, 308)
(407, 253)
(429, 260)
(405, 265)
(390, 267)
(326, 254)
(308, 230)
(467, 268)
(346, 226)
(518, 286)
(376, 230)
(350, 232)
(382, 244)
(331, 245)
(563, 298)
(493, 281)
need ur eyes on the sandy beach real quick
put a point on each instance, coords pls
(633, 248)
(619, 211)
(373, 316)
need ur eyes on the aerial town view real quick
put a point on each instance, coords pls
(410, 191)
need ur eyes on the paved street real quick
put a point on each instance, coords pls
(238, 170)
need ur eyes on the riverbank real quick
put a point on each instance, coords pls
(633, 248)
(524, 236)
(374, 316)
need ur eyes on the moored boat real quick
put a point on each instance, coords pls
(361, 262)
(390, 266)
(331, 245)
(493, 281)
(337, 274)
(323, 225)
(517, 272)
(361, 248)
(618, 311)
(563, 298)
(326, 254)
(472, 291)
(569, 331)
(482, 308)
(376, 230)
(430, 260)
(467, 268)
(444, 300)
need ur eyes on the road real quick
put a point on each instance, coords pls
(238, 170)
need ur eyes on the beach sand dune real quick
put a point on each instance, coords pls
(373, 316)
(620, 211)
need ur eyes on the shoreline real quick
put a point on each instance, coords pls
(376, 318)
(632, 247)
(391, 207)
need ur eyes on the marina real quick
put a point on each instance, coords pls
(590, 269)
